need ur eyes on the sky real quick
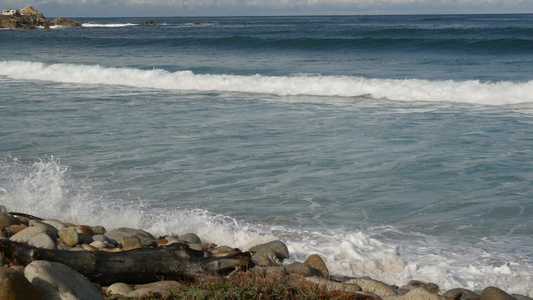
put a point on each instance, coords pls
(198, 8)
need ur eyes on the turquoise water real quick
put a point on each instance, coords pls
(395, 146)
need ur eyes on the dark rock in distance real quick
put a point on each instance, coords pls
(66, 22)
(30, 18)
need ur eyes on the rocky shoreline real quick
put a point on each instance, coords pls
(31, 18)
(31, 248)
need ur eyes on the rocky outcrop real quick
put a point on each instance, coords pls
(65, 22)
(30, 18)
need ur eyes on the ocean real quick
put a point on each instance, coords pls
(396, 147)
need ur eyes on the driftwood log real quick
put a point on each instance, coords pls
(143, 265)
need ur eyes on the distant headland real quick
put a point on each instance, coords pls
(30, 18)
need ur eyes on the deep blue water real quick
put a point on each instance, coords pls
(394, 146)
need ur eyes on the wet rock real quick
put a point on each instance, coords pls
(464, 294)
(265, 258)
(88, 247)
(494, 293)
(279, 249)
(85, 229)
(58, 281)
(190, 238)
(85, 238)
(318, 264)
(150, 22)
(98, 230)
(14, 286)
(373, 286)
(300, 268)
(65, 22)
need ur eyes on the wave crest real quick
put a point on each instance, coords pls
(471, 91)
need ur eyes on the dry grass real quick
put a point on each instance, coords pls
(244, 286)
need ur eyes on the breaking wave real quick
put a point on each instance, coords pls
(470, 91)
(45, 188)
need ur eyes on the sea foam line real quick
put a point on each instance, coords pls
(471, 91)
(112, 25)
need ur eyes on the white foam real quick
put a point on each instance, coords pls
(111, 25)
(45, 189)
(472, 91)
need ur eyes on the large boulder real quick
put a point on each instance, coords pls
(277, 247)
(14, 286)
(36, 236)
(57, 281)
(318, 265)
